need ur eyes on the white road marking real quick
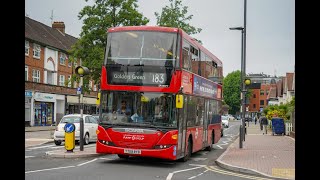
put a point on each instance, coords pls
(29, 156)
(219, 147)
(229, 128)
(87, 162)
(39, 147)
(105, 158)
(48, 169)
(192, 177)
(171, 174)
(198, 159)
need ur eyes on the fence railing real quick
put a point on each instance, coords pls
(289, 128)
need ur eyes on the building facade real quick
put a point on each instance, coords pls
(48, 72)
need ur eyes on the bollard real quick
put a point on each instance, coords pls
(69, 137)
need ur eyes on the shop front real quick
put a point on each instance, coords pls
(73, 105)
(46, 108)
(27, 107)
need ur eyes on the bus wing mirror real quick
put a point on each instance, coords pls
(179, 101)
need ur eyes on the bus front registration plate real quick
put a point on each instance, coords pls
(132, 151)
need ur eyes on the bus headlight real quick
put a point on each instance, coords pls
(162, 146)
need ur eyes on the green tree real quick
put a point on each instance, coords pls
(175, 16)
(97, 18)
(231, 91)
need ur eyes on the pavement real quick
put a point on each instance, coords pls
(265, 155)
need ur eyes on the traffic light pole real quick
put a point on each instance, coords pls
(244, 68)
(81, 115)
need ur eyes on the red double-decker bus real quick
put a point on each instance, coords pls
(157, 99)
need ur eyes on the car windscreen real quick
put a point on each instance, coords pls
(70, 119)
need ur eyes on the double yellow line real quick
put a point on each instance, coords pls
(214, 169)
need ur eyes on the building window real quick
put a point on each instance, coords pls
(254, 106)
(261, 102)
(254, 95)
(261, 92)
(26, 73)
(26, 47)
(36, 51)
(69, 81)
(267, 91)
(62, 59)
(61, 80)
(36, 75)
(95, 87)
(69, 63)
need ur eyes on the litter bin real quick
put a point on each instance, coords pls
(278, 126)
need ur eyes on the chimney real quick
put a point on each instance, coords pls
(59, 26)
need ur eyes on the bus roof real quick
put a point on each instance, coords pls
(143, 28)
(167, 29)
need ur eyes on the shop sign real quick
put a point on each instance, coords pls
(28, 93)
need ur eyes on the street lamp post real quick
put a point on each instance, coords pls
(241, 130)
(243, 75)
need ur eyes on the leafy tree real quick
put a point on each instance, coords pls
(175, 16)
(93, 37)
(231, 91)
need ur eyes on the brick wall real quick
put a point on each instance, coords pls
(34, 63)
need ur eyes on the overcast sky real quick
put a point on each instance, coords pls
(270, 28)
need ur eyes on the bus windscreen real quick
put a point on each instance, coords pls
(141, 48)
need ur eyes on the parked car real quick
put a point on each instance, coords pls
(231, 118)
(90, 125)
(95, 116)
(225, 121)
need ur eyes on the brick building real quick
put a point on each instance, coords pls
(49, 91)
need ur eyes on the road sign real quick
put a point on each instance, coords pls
(79, 90)
(69, 127)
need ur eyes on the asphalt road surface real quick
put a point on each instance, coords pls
(201, 166)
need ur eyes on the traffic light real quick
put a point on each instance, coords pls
(82, 71)
(247, 82)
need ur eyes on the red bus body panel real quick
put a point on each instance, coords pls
(146, 142)
(142, 141)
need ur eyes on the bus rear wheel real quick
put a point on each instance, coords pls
(189, 151)
(209, 148)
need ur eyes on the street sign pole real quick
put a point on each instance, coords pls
(81, 116)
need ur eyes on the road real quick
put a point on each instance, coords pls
(201, 166)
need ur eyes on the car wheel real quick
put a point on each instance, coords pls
(86, 139)
(57, 142)
(221, 132)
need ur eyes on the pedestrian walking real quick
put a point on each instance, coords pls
(264, 123)
(255, 119)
